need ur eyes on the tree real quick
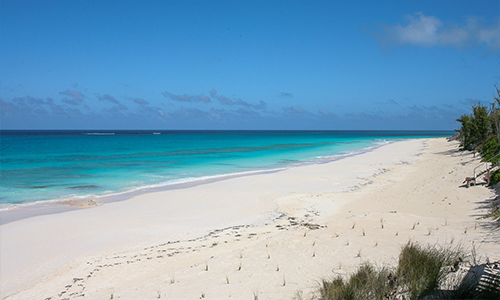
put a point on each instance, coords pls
(482, 122)
(465, 132)
(495, 114)
(477, 128)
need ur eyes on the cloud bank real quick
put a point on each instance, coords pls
(187, 98)
(73, 94)
(109, 98)
(70, 111)
(429, 31)
(46, 113)
(226, 101)
(223, 100)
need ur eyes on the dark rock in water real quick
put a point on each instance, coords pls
(38, 186)
(84, 187)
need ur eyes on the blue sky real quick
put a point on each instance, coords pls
(246, 64)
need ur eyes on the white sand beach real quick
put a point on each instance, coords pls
(271, 236)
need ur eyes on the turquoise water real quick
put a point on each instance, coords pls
(59, 165)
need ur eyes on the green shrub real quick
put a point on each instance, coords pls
(494, 177)
(490, 149)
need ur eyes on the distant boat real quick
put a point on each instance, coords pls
(156, 132)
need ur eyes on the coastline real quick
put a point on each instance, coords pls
(96, 167)
(14, 212)
(269, 234)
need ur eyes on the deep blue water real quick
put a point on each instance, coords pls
(56, 165)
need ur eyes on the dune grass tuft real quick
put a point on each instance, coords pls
(423, 269)
(421, 273)
(365, 283)
(256, 295)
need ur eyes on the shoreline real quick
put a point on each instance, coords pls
(267, 234)
(15, 212)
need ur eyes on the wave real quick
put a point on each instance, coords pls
(99, 133)
(188, 180)
(165, 184)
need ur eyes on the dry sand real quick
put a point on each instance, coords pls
(265, 236)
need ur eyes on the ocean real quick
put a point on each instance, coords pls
(42, 166)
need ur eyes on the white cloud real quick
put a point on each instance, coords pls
(490, 36)
(429, 31)
(421, 31)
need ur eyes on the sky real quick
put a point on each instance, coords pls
(255, 65)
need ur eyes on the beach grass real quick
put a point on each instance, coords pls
(366, 283)
(423, 268)
(421, 273)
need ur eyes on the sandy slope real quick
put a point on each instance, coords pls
(273, 235)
